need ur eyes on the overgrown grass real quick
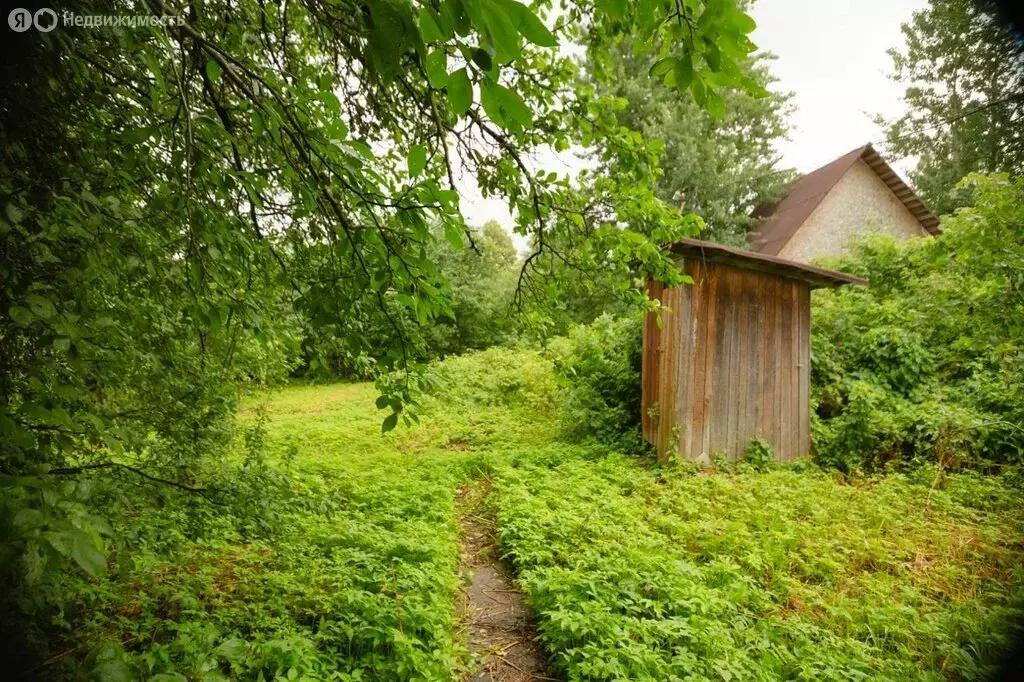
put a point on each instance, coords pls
(652, 575)
(345, 568)
(342, 564)
(354, 581)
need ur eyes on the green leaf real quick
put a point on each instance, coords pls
(482, 58)
(393, 34)
(450, 197)
(14, 214)
(713, 56)
(682, 73)
(138, 135)
(109, 664)
(490, 103)
(330, 101)
(437, 68)
(743, 21)
(42, 307)
(213, 70)
(662, 67)
(460, 92)
(713, 11)
(504, 106)
(529, 24)
(15, 434)
(430, 31)
(86, 553)
(22, 316)
(453, 16)
(389, 423)
(616, 9)
(232, 649)
(715, 104)
(498, 25)
(752, 87)
(27, 519)
(417, 160)
(699, 91)
(453, 233)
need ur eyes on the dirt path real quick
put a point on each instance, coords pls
(501, 635)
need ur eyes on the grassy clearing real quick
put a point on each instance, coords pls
(658, 575)
(349, 569)
(355, 581)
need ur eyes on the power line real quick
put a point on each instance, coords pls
(954, 119)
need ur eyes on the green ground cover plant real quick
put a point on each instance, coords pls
(647, 574)
(353, 580)
(338, 564)
(339, 561)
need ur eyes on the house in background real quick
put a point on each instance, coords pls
(856, 193)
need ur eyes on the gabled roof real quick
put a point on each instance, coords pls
(759, 262)
(781, 220)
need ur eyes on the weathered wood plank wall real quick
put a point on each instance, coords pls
(730, 361)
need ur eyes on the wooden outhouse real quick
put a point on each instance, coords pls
(731, 358)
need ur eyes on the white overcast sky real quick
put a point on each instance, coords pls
(830, 53)
(832, 56)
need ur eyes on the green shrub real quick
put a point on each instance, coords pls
(498, 376)
(927, 362)
(759, 454)
(599, 365)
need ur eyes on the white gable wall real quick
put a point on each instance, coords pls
(858, 203)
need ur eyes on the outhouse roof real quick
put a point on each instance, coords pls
(760, 262)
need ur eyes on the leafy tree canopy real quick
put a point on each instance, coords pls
(718, 162)
(963, 70)
(180, 198)
(483, 283)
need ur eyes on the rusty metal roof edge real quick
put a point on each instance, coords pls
(752, 260)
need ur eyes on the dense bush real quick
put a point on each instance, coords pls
(479, 281)
(600, 364)
(511, 377)
(927, 362)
